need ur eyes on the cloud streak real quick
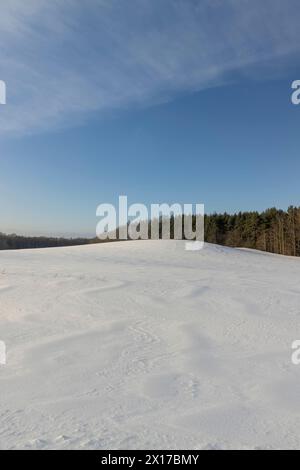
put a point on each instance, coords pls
(66, 59)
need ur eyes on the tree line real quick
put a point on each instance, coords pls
(274, 231)
(17, 242)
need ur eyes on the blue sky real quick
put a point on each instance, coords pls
(175, 101)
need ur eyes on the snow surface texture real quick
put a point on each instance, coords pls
(146, 345)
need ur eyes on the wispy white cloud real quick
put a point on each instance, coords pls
(65, 59)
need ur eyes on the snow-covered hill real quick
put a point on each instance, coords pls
(146, 345)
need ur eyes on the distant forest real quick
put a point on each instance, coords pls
(17, 242)
(273, 230)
